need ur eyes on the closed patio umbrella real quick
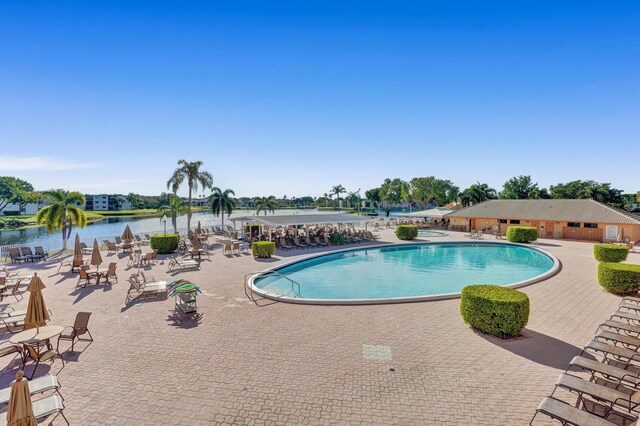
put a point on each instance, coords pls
(37, 313)
(20, 409)
(198, 229)
(96, 257)
(196, 244)
(77, 250)
(127, 235)
(621, 234)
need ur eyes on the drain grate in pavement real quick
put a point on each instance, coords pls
(380, 352)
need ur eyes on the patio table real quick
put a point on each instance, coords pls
(98, 273)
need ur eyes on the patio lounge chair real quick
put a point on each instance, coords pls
(618, 354)
(611, 373)
(309, 242)
(610, 397)
(44, 408)
(146, 290)
(319, 242)
(13, 290)
(38, 357)
(297, 243)
(40, 252)
(80, 327)
(16, 257)
(85, 249)
(38, 385)
(568, 414)
(6, 351)
(26, 251)
(111, 247)
(284, 245)
(182, 264)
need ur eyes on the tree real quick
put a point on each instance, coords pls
(337, 190)
(520, 188)
(15, 191)
(62, 213)
(222, 202)
(135, 200)
(430, 189)
(373, 195)
(189, 171)
(266, 204)
(120, 200)
(174, 209)
(391, 193)
(579, 189)
(477, 193)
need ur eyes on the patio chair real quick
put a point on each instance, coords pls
(607, 371)
(228, 249)
(326, 240)
(13, 290)
(298, 244)
(16, 257)
(38, 357)
(182, 264)
(146, 279)
(80, 327)
(621, 327)
(568, 414)
(620, 355)
(7, 350)
(149, 258)
(85, 249)
(41, 252)
(84, 278)
(284, 245)
(319, 242)
(111, 272)
(38, 385)
(147, 290)
(111, 247)
(309, 242)
(26, 252)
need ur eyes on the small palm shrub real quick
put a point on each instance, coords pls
(495, 310)
(610, 253)
(406, 232)
(337, 238)
(164, 244)
(522, 234)
(619, 278)
(263, 249)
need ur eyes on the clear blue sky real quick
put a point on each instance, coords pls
(294, 97)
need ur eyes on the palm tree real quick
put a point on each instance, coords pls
(62, 213)
(266, 204)
(222, 201)
(120, 200)
(175, 208)
(337, 190)
(189, 171)
(478, 192)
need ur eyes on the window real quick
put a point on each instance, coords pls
(573, 224)
(503, 221)
(514, 221)
(590, 225)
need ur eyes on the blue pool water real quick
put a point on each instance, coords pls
(412, 270)
(430, 233)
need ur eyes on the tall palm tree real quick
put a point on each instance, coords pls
(189, 171)
(175, 208)
(62, 213)
(337, 190)
(222, 201)
(266, 204)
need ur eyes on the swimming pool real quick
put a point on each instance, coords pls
(430, 233)
(405, 272)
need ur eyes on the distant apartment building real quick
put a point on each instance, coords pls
(17, 209)
(199, 202)
(105, 202)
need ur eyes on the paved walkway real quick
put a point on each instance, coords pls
(277, 363)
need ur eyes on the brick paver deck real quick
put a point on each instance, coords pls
(240, 362)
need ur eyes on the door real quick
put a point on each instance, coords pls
(548, 229)
(472, 224)
(536, 225)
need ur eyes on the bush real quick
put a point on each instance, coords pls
(164, 244)
(495, 310)
(406, 232)
(263, 248)
(619, 278)
(522, 234)
(337, 238)
(610, 253)
(252, 229)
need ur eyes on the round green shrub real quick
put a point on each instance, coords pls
(619, 278)
(337, 238)
(494, 310)
(164, 244)
(610, 253)
(406, 232)
(263, 248)
(522, 234)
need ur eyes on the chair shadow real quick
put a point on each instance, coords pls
(140, 300)
(82, 292)
(73, 356)
(185, 321)
(542, 244)
(539, 348)
(267, 259)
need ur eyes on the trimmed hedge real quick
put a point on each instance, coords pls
(522, 234)
(610, 253)
(164, 244)
(406, 232)
(337, 238)
(263, 248)
(619, 278)
(495, 310)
